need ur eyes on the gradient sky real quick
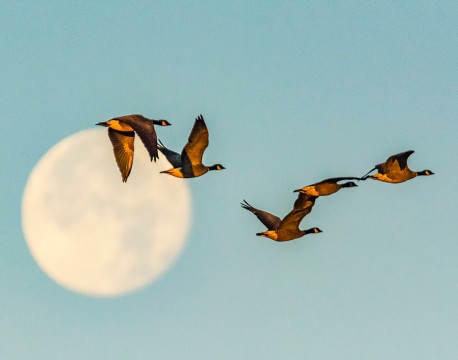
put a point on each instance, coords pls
(292, 93)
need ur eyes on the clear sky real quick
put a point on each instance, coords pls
(292, 92)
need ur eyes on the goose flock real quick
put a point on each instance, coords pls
(188, 164)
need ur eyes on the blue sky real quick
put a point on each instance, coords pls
(292, 93)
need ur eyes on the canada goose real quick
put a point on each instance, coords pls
(121, 131)
(395, 169)
(286, 229)
(189, 163)
(327, 187)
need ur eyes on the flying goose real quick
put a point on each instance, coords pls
(286, 229)
(395, 169)
(121, 131)
(327, 187)
(189, 163)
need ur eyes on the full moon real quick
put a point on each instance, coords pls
(94, 234)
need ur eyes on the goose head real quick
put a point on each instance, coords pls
(216, 167)
(348, 184)
(313, 230)
(425, 173)
(161, 122)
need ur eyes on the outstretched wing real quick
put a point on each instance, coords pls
(399, 160)
(304, 201)
(173, 157)
(123, 148)
(294, 217)
(145, 129)
(270, 221)
(335, 180)
(197, 143)
(394, 163)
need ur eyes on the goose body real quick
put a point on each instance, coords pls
(282, 229)
(188, 164)
(121, 132)
(395, 170)
(327, 187)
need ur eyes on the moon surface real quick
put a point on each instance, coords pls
(94, 234)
